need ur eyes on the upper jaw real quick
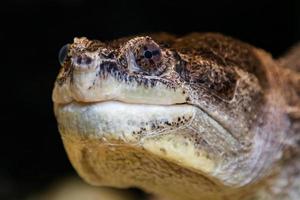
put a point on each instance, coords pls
(108, 82)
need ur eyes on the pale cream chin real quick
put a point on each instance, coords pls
(107, 147)
(116, 121)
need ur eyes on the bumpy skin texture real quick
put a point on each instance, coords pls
(203, 116)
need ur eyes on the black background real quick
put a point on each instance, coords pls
(32, 32)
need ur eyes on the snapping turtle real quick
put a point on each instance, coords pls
(203, 116)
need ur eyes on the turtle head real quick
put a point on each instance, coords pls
(189, 116)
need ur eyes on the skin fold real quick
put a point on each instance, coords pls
(203, 116)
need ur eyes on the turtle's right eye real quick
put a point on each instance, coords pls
(63, 53)
(148, 57)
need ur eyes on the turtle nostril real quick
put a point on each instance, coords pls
(63, 52)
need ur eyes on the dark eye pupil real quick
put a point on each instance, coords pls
(148, 54)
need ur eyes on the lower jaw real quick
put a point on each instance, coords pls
(148, 146)
(161, 130)
(122, 121)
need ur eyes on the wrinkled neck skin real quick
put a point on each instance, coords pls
(277, 128)
(282, 121)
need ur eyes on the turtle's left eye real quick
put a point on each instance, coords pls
(148, 57)
(63, 53)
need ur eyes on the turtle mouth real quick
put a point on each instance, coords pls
(162, 130)
(117, 120)
(144, 112)
(107, 82)
(179, 133)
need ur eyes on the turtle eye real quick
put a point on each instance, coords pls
(149, 57)
(63, 53)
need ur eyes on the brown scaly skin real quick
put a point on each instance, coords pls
(203, 116)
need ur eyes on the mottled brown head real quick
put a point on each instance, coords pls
(197, 101)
